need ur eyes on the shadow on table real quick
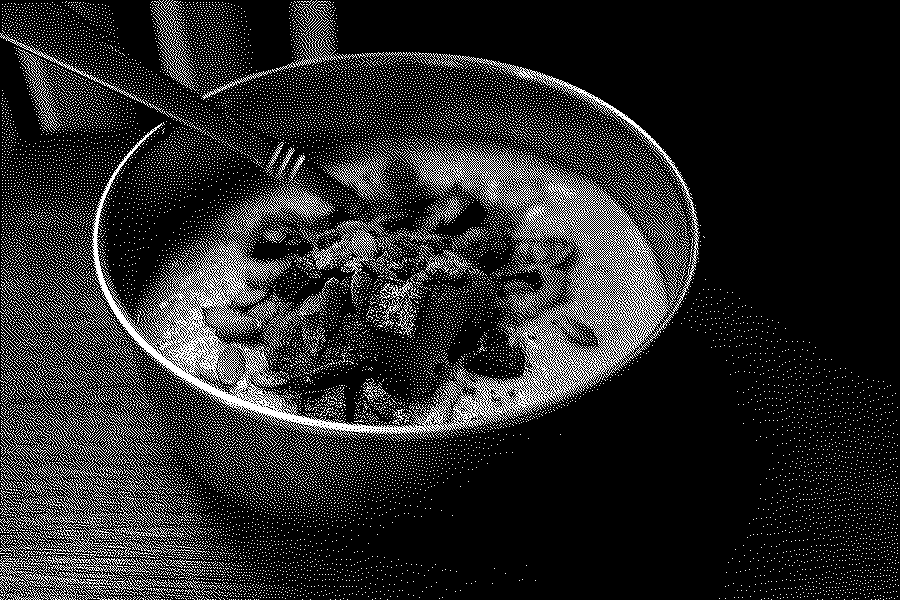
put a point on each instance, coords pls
(384, 549)
(567, 501)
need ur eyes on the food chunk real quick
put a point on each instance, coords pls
(366, 311)
(451, 321)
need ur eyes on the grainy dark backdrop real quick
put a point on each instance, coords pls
(749, 453)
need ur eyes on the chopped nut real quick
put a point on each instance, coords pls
(394, 307)
(362, 245)
(553, 251)
(575, 329)
(231, 365)
(231, 325)
(246, 298)
(262, 275)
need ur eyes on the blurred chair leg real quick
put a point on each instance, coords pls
(203, 45)
(312, 29)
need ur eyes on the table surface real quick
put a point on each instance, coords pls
(96, 504)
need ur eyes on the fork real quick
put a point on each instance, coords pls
(57, 34)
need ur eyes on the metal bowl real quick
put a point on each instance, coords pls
(157, 200)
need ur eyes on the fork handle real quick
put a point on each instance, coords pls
(50, 31)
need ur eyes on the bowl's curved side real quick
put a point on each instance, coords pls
(293, 470)
(271, 457)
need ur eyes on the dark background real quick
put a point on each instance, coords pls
(766, 395)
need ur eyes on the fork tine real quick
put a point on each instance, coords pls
(270, 167)
(287, 159)
(285, 162)
(298, 162)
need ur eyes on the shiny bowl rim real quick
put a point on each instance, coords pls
(432, 431)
